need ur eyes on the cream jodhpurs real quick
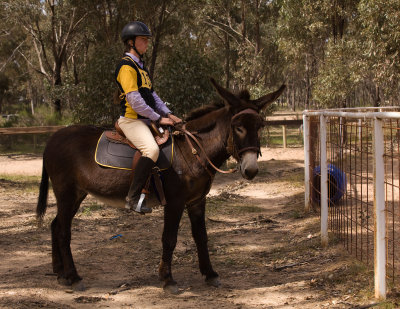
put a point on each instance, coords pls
(139, 134)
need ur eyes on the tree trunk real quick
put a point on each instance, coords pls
(243, 21)
(377, 98)
(257, 26)
(227, 61)
(293, 97)
(157, 38)
(57, 82)
(76, 76)
(30, 95)
(308, 85)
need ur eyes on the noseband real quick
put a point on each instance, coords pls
(236, 153)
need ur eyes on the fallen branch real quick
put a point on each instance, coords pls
(279, 268)
(366, 306)
(238, 223)
(121, 288)
(115, 292)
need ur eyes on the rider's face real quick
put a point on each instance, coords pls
(142, 43)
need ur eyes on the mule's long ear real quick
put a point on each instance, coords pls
(266, 100)
(228, 96)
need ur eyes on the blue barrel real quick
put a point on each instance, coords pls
(337, 184)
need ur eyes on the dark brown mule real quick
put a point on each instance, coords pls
(68, 160)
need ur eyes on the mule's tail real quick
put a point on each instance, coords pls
(43, 192)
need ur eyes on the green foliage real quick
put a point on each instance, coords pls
(335, 81)
(43, 116)
(184, 81)
(90, 209)
(330, 53)
(380, 30)
(92, 100)
(20, 182)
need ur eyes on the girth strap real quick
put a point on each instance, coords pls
(159, 186)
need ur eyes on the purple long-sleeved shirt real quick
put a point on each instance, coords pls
(139, 105)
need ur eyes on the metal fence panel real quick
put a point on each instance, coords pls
(357, 184)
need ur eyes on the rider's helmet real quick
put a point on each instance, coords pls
(134, 29)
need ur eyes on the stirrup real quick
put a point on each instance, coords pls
(140, 207)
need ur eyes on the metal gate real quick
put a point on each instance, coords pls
(352, 175)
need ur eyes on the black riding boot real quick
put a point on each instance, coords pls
(136, 199)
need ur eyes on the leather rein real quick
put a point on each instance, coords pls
(236, 153)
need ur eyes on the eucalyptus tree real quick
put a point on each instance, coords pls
(303, 31)
(380, 45)
(50, 27)
(338, 75)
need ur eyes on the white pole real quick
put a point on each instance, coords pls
(307, 154)
(379, 212)
(324, 183)
(284, 136)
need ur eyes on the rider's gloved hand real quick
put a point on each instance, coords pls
(175, 119)
(166, 121)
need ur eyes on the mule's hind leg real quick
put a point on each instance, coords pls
(55, 252)
(63, 264)
(197, 219)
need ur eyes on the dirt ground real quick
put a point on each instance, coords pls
(265, 248)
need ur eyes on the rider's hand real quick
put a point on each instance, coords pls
(174, 118)
(166, 122)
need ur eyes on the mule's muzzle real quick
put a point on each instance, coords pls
(249, 165)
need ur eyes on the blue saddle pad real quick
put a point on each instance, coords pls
(116, 155)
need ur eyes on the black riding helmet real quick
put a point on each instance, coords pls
(132, 30)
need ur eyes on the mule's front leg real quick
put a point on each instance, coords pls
(172, 217)
(197, 218)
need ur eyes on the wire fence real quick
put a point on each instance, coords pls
(351, 163)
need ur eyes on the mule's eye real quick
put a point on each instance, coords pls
(239, 130)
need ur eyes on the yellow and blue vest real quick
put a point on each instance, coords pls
(131, 77)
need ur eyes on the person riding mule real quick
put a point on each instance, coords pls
(138, 102)
(230, 129)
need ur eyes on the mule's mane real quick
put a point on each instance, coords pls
(203, 119)
(201, 111)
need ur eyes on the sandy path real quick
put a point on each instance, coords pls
(265, 248)
(21, 165)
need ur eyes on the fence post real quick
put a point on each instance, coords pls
(284, 136)
(307, 154)
(324, 183)
(379, 211)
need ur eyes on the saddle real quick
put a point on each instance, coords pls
(161, 136)
(114, 150)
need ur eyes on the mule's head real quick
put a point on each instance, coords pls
(246, 123)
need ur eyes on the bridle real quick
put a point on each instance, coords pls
(235, 152)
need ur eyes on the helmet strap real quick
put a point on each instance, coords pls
(140, 55)
(134, 48)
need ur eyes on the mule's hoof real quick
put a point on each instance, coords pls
(171, 289)
(63, 281)
(78, 286)
(213, 282)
